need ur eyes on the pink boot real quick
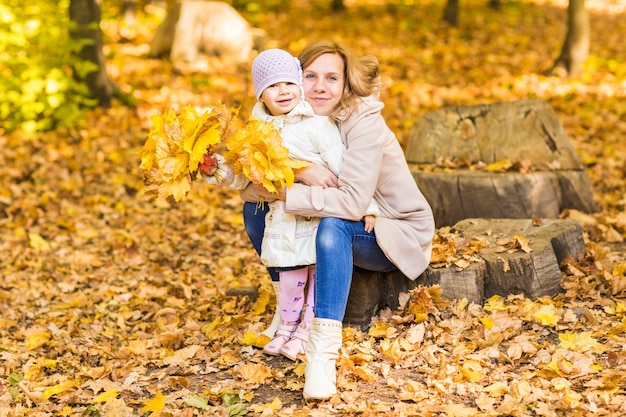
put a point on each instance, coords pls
(297, 344)
(290, 302)
(283, 334)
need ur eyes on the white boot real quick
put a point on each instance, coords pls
(322, 350)
(271, 331)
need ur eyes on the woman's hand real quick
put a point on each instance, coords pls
(262, 192)
(314, 174)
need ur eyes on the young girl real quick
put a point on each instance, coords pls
(289, 240)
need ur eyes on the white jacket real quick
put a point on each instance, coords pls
(289, 240)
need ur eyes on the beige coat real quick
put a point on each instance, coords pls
(375, 166)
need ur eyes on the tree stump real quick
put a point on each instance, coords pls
(496, 271)
(525, 133)
(529, 135)
(196, 28)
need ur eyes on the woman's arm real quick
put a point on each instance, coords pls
(366, 134)
(312, 174)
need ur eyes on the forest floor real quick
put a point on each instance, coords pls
(115, 305)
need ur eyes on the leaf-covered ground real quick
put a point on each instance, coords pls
(112, 305)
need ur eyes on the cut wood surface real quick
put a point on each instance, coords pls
(526, 133)
(516, 130)
(498, 269)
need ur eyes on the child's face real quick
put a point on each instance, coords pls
(281, 98)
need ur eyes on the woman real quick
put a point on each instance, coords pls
(345, 88)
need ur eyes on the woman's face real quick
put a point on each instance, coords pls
(323, 82)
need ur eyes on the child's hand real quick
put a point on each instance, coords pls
(370, 221)
(215, 171)
(210, 164)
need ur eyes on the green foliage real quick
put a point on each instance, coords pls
(38, 64)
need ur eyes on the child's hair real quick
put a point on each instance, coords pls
(273, 66)
(362, 77)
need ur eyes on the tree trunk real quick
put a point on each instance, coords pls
(549, 177)
(338, 6)
(86, 14)
(576, 45)
(495, 4)
(451, 12)
(129, 12)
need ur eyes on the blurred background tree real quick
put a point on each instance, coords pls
(53, 66)
(85, 16)
(576, 45)
(40, 86)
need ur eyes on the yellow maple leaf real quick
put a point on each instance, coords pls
(59, 389)
(521, 243)
(546, 315)
(177, 187)
(275, 405)
(424, 301)
(106, 396)
(258, 153)
(37, 242)
(155, 405)
(379, 329)
(391, 351)
(581, 342)
(251, 339)
(177, 145)
(502, 165)
(255, 373)
(200, 132)
(497, 389)
(471, 370)
(364, 373)
(487, 322)
(37, 340)
(171, 158)
(495, 303)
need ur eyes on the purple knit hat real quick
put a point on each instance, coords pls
(272, 66)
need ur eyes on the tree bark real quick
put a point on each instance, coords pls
(495, 4)
(497, 268)
(338, 6)
(86, 14)
(451, 12)
(129, 12)
(576, 46)
(550, 176)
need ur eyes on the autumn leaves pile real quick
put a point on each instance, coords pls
(176, 146)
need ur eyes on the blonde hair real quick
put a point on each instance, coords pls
(362, 77)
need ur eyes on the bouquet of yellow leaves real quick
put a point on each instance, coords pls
(177, 145)
(258, 153)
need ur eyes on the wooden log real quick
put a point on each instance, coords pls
(497, 271)
(456, 283)
(365, 300)
(535, 273)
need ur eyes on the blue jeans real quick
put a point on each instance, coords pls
(340, 245)
(254, 222)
